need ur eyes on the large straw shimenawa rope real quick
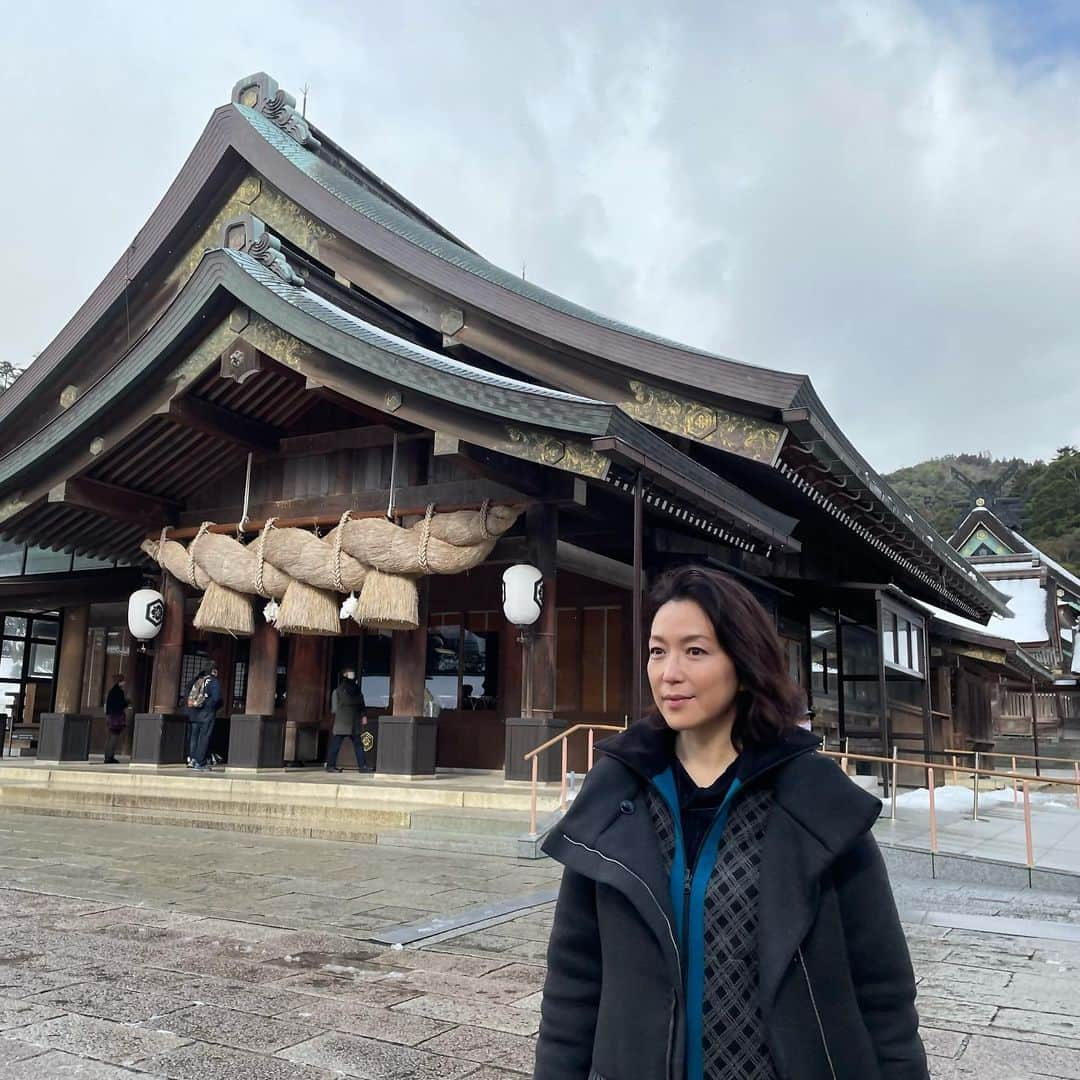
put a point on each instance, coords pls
(302, 574)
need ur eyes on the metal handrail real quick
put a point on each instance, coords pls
(567, 733)
(1025, 778)
(534, 756)
(1015, 757)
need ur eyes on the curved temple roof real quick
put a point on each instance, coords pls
(260, 128)
(374, 352)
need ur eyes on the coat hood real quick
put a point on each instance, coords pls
(648, 748)
(810, 788)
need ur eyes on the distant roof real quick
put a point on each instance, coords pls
(988, 635)
(1065, 577)
(1027, 601)
(984, 517)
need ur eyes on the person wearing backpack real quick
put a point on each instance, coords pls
(203, 701)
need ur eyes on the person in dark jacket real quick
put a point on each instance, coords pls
(347, 705)
(116, 705)
(724, 910)
(203, 701)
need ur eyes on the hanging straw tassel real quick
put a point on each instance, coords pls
(222, 610)
(306, 610)
(388, 601)
(225, 611)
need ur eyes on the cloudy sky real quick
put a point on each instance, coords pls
(884, 194)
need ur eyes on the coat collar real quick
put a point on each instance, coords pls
(818, 815)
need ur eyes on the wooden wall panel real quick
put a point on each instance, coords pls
(568, 661)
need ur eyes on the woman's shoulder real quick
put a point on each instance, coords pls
(814, 790)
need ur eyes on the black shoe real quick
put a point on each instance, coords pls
(366, 768)
(332, 768)
(109, 761)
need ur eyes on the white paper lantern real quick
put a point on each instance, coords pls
(522, 594)
(146, 614)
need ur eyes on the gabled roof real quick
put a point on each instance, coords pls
(263, 130)
(983, 518)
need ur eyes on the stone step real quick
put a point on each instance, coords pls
(314, 786)
(229, 823)
(477, 822)
(352, 814)
(460, 843)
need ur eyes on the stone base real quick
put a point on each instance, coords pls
(64, 737)
(159, 739)
(407, 745)
(256, 742)
(525, 733)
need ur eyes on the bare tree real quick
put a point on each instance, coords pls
(9, 372)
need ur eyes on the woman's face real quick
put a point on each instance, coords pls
(693, 680)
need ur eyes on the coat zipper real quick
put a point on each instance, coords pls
(817, 1015)
(667, 923)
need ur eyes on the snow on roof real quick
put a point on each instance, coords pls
(1065, 575)
(1012, 566)
(1027, 601)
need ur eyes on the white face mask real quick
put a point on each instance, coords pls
(348, 674)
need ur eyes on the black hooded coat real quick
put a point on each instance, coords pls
(836, 987)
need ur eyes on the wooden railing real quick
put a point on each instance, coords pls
(534, 757)
(843, 757)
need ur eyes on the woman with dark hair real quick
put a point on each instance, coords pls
(724, 910)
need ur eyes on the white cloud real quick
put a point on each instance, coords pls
(865, 192)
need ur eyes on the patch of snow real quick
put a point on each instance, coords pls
(952, 800)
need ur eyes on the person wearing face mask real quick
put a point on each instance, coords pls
(347, 705)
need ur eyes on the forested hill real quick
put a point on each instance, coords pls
(1040, 499)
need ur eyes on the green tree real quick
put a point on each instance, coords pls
(1052, 491)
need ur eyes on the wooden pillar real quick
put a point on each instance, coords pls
(542, 525)
(262, 670)
(538, 724)
(408, 740)
(257, 738)
(69, 674)
(408, 659)
(1035, 726)
(306, 682)
(220, 648)
(169, 652)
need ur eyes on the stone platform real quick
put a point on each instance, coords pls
(475, 813)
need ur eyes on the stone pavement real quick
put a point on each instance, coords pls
(159, 951)
(998, 833)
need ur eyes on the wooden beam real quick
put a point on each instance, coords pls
(360, 438)
(221, 424)
(327, 509)
(110, 500)
(357, 408)
(568, 557)
(60, 590)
